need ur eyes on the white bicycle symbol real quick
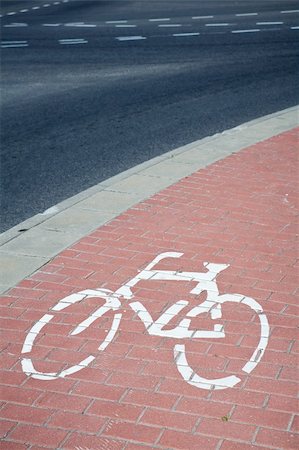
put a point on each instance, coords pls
(206, 281)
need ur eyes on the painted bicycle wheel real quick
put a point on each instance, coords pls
(112, 303)
(194, 379)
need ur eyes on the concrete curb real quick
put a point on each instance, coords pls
(32, 243)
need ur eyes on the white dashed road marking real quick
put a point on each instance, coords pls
(269, 23)
(185, 34)
(13, 44)
(15, 25)
(79, 25)
(130, 38)
(253, 30)
(217, 24)
(159, 20)
(116, 21)
(72, 41)
(295, 28)
(51, 24)
(202, 17)
(125, 26)
(246, 14)
(290, 11)
(168, 25)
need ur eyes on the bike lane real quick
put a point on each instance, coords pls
(135, 387)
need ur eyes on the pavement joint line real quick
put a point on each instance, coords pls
(62, 221)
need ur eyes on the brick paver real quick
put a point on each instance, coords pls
(240, 211)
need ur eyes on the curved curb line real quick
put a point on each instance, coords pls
(34, 242)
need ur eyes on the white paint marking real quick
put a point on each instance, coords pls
(24, 10)
(125, 26)
(31, 336)
(206, 281)
(165, 19)
(51, 24)
(253, 30)
(202, 17)
(116, 21)
(16, 25)
(217, 24)
(35, 7)
(13, 44)
(112, 332)
(11, 13)
(185, 34)
(295, 28)
(56, 3)
(87, 25)
(291, 11)
(46, 5)
(195, 380)
(165, 25)
(246, 14)
(269, 23)
(79, 25)
(130, 38)
(72, 41)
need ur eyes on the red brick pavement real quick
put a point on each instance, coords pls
(239, 211)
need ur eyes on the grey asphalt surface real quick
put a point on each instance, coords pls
(74, 115)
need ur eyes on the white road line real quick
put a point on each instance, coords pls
(217, 24)
(185, 34)
(79, 25)
(51, 24)
(46, 5)
(246, 14)
(72, 41)
(165, 25)
(15, 25)
(253, 30)
(116, 21)
(24, 10)
(269, 23)
(295, 28)
(11, 13)
(291, 11)
(130, 38)
(125, 26)
(13, 44)
(56, 3)
(35, 7)
(202, 17)
(159, 20)
(86, 25)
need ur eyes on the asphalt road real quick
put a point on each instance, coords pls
(139, 78)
